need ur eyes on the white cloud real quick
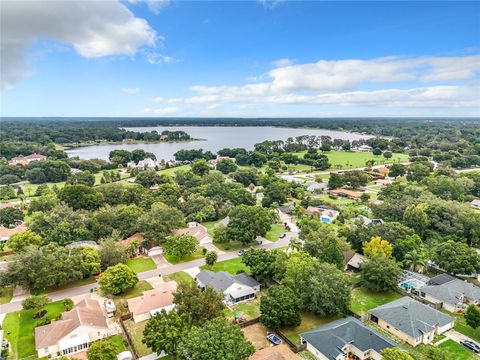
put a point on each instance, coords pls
(282, 62)
(162, 111)
(155, 6)
(129, 90)
(93, 28)
(154, 57)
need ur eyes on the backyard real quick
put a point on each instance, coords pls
(309, 322)
(250, 309)
(180, 277)
(457, 351)
(364, 299)
(141, 264)
(232, 266)
(135, 330)
(19, 327)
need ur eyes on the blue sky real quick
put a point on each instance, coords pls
(250, 58)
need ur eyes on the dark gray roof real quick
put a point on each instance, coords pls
(452, 292)
(441, 279)
(221, 280)
(329, 339)
(411, 316)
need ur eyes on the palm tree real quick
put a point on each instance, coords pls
(414, 259)
(295, 244)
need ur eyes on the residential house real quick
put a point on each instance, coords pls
(353, 260)
(363, 148)
(411, 321)
(196, 230)
(383, 182)
(354, 195)
(383, 170)
(214, 162)
(325, 214)
(152, 301)
(313, 186)
(341, 338)
(475, 204)
(136, 239)
(280, 352)
(236, 288)
(143, 164)
(365, 221)
(453, 295)
(25, 160)
(72, 334)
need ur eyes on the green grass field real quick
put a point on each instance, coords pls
(119, 342)
(141, 264)
(232, 266)
(457, 351)
(20, 327)
(364, 299)
(275, 232)
(462, 327)
(198, 254)
(171, 171)
(250, 309)
(309, 321)
(352, 159)
(180, 277)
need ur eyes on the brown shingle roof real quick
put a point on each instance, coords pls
(280, 352)
(198, 232)
(157, 298)
(87, 312)
(137, 236)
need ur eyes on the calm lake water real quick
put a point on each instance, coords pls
(216, 138)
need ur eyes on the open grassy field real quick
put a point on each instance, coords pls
(141, 264)
(364, 299)
(198, 254)
(232, 266)
(180, 277)
(20, 327)
(309, 321)
(171, 171)
(275, 232)
(457, 351)
(352, 159)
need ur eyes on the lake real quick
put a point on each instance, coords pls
(216, 138)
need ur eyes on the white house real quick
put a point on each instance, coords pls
(475, 204)
(153, 301)
(72, 334)
(236, 288)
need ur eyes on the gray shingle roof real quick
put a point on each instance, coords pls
(451, 292)
(441, 279)
(221, 280)
(329, 339)
(411, 316)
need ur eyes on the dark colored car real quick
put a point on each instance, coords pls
(241, 252)
(471, 345)
(283, 235)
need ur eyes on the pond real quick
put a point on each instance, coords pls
(214, 139)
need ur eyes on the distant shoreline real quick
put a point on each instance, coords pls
(129, 141)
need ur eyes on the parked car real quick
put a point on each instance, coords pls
(241, 252)
(283, 235)
(471, 345)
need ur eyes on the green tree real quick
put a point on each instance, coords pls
(260, 262)
(211, 258)
(158, 223)
(7, 192)
(377, 247)
(10, 216)
(196, 305)
(246, 176)
(148, 178)
(472, 316)
(414, 260)
(335, 181)
(387, 154)
(456, 258)
(395, 354)
(326, 245)
(216, 340)
(35, 302)
(226, 166)
(120, 157)
(116, 279)
(200, 167)
(112, 252)
(248, 222)
(180, 246)
(164, 331)
(417, 172)
(81, 197)
(84, 177)
(89, 260)
(102, 350)
(280, 308)
(397, 170)
(199, 208)
(20, 241)
(377, 152)
(380, 273)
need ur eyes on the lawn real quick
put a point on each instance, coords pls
(457, 351)
(364, 300)
(232, 266)
(210, 225)
(135, 330)
(73, 284)
(180, 277)
(462, 327)
(119, 342)
(198, 254)
(20, 327)
(230, 246)
(309, 321)
(6, 294)
(141, 264)
(352, 159)
(275, 232)
(171, 171)
(251, 309)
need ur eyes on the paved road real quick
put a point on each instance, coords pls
(67, 293)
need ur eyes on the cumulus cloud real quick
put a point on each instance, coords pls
(162, 111)
(129, 90)
(423, 82)
(93, 28)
